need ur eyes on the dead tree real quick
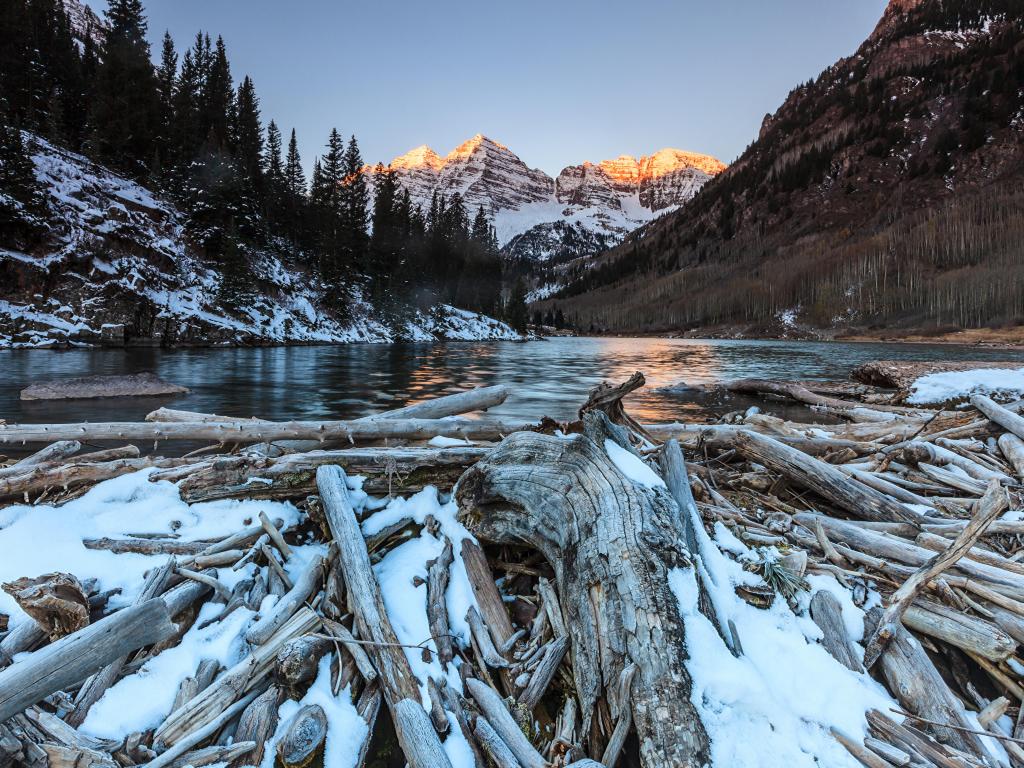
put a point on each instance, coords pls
(612, 543)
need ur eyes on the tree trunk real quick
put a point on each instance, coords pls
(612, 544)
(487, 428)
(416, 735)
(73, 658)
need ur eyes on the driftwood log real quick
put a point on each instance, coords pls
(74, 657)
(305, 737)
(991, 506)
(257, 432)
(824, 479)
(416, 735)
(611, 543)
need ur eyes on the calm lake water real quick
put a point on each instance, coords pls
(548, 378)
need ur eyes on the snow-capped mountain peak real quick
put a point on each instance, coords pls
(420, 157)
(601, 201)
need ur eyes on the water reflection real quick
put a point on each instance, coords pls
(549, 378)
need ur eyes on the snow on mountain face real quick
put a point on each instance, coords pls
(117, 269)
(84, 21)
(608, 199)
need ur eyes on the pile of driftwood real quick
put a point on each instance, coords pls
(580, 658)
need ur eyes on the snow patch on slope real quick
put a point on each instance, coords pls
(116, 252)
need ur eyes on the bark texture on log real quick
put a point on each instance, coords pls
(415, 733)
(824, 479)
(74, 657)
(255, 432)
(612, 544)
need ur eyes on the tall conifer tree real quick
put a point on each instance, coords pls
(248, 136)
(355, 201)
(124, 101)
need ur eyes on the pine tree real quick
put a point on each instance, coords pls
(516, 311)
(273, 176)
(479, 279)
(16, 54)
(386, 241)
(248, 137)
(355, 200)
(124, 102)
(327, 203)
(218, 98)
(20, 193)
(295, 180)
(186, 137)
(273, 162)
(166, 78)
(480, 234)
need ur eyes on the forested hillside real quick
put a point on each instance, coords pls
(185, 131)
(888, 192)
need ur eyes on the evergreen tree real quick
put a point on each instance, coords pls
(218, 97)
(166, 78)
(186, 136)
(516, 311)
(273, 162)
(327, 204)
(355, 200)
(16, 55)
(479, 278)
(386, 243)
(20, 193)
(295, 191)
(41, 77)
(273, 176)
(124, 101)
(295, 179)
(248, 137)
(480, 234)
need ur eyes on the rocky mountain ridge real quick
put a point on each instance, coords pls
(886, 193)
(597, 202)
(84, 21)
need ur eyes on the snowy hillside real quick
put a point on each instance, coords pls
(599, 202)
(116, 268)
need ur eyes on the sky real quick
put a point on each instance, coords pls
(557, 81)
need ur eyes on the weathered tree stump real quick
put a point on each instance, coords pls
(612, 543)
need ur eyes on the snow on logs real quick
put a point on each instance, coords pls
(904, 502)
(567, 499)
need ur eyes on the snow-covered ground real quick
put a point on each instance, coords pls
(774, 705)
(947, 386)
(119, 258)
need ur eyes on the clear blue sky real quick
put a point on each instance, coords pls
(558, 81)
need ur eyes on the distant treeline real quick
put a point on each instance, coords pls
(185, 129)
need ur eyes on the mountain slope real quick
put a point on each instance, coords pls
(887, 192)
(110, 263)
(600, 203)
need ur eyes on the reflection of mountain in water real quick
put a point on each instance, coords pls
(546, 378)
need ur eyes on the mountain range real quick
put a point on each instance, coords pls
(536, 216)
(886, 195)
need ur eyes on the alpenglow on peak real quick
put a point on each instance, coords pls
(604, 200)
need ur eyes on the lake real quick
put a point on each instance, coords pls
(548, 378)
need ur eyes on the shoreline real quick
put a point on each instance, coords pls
(985, 338)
